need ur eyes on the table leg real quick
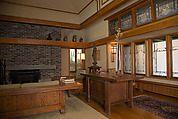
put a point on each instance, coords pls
(88, 89)
(62, 101)
(107, 98)
(130, 95)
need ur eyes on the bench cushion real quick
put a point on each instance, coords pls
(40, 84)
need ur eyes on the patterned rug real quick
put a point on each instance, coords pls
(162, 108)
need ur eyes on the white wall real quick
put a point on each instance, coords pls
(64, 62)
(37, 13)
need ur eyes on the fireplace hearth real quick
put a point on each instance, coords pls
(24, 76)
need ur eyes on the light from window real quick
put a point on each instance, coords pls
(72, 59)
(159, 57)
(175, 56)
(127, 58)
(140, 58)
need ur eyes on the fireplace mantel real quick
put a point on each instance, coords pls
(30, 67)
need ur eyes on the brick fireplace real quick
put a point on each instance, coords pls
(46, 59)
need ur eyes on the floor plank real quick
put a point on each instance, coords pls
(121, 111)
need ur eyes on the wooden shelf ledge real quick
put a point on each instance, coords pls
(22, 41)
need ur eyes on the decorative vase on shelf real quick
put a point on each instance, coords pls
(74, 38)
(81, 39)
(49, 37)
(65, 38)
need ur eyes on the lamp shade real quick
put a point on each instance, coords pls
(78, 56)
(82, 56)
(113, 49)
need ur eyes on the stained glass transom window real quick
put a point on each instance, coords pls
(140, 58)
(165, 8)
(159, 57)
(127, 58)
(143, 15)
(126, 22)
(175, 56)
(113, 26)
(72, 59)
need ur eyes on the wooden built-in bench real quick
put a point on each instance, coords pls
(161, 86)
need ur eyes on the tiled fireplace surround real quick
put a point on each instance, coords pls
(28, 57)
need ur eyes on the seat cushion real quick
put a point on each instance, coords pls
(8, 86)
(48, 83)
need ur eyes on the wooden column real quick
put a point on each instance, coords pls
(88, 89)
(130, 93)
(107, 98)
(133, 57)
(169, 55)
(150, 59)
(62, 101)
(146, 57)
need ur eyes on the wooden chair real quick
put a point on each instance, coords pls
(66, 77)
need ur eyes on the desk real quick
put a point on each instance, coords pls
(110, 90)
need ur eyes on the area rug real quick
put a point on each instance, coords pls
(159, 107)
(75, 109)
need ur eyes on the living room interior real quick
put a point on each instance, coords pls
(42, 42)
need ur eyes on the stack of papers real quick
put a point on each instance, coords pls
(66, 80)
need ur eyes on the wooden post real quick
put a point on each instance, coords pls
(88, 89)
(133, 57)
(169, 56)
(107, 98)
(122, 58)
(62, 101)
(130, 93)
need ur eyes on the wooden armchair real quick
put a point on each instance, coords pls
(65, 77)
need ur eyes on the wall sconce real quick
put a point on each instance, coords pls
(113, 52)
(80, 56)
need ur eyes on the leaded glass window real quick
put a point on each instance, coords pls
(165, 8)
(113, 26)
(72, 59)
(143, 15)
(127, 58)
(79, 62)
(175, 56)
(159, 57)
(126, 22)
(140, 58)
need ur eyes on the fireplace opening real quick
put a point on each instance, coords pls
(24, 76)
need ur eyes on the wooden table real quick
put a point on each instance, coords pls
(109, 89)
(17, 102)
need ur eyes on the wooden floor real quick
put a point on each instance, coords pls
(121, 111)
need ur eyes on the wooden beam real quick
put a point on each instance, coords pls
(4, 40)
(161, 24)
(39, 21)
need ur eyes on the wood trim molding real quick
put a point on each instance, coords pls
(101, 12)
(133, 57)
(4, 40)
(161, 24)
(125, 10)
(85, 6)
(39, 21)
(104, 2)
